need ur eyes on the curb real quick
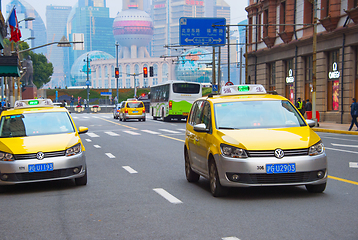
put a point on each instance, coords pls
(335, 131)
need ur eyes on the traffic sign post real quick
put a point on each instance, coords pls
(200, 31)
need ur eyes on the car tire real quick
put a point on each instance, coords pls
(319, 188)
(215, 187)
(143, 119)
(81, 181)
(191, 176)
(123, 119)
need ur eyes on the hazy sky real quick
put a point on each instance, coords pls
(238, 12)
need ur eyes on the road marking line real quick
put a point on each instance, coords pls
(119, 124)
(343, 180)
(230, 238)
(344, 145)
(112, 133)
(97, 146)
(110, 155)
(172, 138)
(149, 131)
(181, 129)
(132, 133)
(353, 164)
(92, 134)
(88, 140)
(169, 131)
(129, 169)
(341, 150)
(344, 139)
(167, 195)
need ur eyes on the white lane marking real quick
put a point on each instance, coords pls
(181, 129)
(86, 117)
(97, 146)
(230, 238)
(92, 134)
(112, 134)
(151, 132)
(340, 150)
(75, 117)
(110, 155)
(88, 140)
(169, 131)
(344, 145)
(131, 132)
(167, 195)
(353, 164)
(129, 169)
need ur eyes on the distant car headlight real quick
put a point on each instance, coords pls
(233, 152)
(74, 150)
(6, 156)
(316, 149)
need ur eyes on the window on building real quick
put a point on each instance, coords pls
(265, 22)
(120, 71)
(250, 30)
(325, 5)
(308, 77)
(308, 12)
(165, 72)
(259, 28)
(333, 81)
(282, 16)
(289, 78)
(272, 76)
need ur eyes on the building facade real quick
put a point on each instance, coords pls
(56, 19)
(280, 52)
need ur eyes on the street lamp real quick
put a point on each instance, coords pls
(26, 19)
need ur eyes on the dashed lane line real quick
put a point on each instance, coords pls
(132, 133)
(149, 131)
(112, 134)
(110, 155)
(172, 138)
(168, 131)
(129, 169)
(88, 140)
(167, 196)
(97, 146)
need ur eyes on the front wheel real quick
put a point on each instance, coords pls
(316, 188)
(215, 187)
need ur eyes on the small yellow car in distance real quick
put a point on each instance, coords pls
(40, 142)
(132, 109)
(246, 137)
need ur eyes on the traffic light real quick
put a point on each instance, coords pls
(116, 72)
(145, 72)
(151, 71)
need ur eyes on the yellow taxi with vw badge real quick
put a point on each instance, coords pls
(247, 137)
(40, 142)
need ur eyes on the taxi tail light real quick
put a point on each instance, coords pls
(118, 110)
(170, 105)
(126, 111)
(74, 150)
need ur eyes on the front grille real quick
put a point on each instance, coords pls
(263, 178)
(18, 177)
(271, 153)
(33, 155)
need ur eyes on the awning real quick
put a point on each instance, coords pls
(9, 71)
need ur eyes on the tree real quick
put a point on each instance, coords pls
(43, 70)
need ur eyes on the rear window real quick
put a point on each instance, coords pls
(135, 105)
(186, 88)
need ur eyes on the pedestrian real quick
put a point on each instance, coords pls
(299, 106)
(72, 100)
(308, 105)
(85, 102)
(354, 114)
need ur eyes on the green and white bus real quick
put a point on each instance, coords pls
(173, 99)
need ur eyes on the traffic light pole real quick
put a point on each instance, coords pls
(117, 68)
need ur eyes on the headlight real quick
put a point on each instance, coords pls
(6, 156)
(316, 149)
(233, 152)
(74, 150)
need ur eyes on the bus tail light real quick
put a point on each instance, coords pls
(170, 105)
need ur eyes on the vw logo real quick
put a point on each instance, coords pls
(40, 155)
(279, 153)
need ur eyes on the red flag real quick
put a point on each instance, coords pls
(14, 27)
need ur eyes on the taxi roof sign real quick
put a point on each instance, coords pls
(28, 103)
(243, 89)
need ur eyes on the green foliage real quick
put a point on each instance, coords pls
(43, 70)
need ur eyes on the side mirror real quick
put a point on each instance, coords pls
(82, 130)
(200, 128)
(310, 122)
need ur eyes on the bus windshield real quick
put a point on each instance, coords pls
(188, 88)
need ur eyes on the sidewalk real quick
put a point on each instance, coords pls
(335, 128)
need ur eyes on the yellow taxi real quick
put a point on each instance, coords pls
(132, 109)
(247, 137)
(40, 142)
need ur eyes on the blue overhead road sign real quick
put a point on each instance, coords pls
(200, 31)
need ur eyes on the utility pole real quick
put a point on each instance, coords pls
(117, 68)
(314, 57)
(228, 53)
(87, 82)
(213, 69)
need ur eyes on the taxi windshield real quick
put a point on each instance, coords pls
(32, 124)
(256, 114)
(134, 105)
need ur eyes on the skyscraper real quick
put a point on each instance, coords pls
(35, 28)
(90, 18)
(166, 15)
(56, 18)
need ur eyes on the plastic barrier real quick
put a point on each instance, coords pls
(309, 115)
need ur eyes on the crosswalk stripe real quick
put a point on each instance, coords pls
(132, 133)
(149, 131)
(169, 131)
(112, 134)
(92, 134)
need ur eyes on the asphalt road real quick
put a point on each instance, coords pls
(137, 190)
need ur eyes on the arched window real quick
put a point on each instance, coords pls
(136, 71)
(145, 80)
(165, 72)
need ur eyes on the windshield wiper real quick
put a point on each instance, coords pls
(230, 128)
